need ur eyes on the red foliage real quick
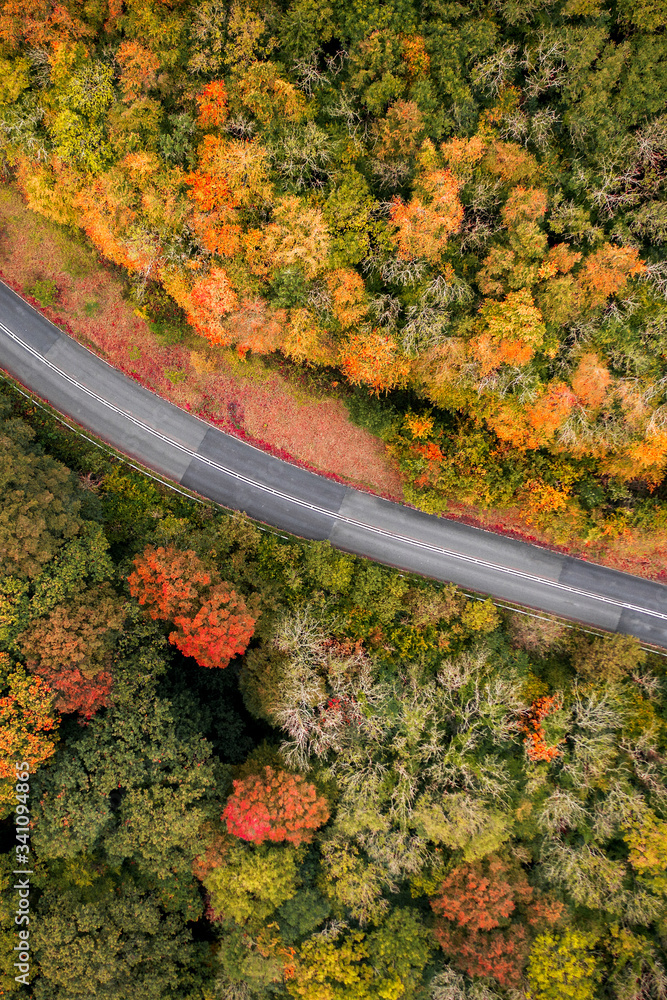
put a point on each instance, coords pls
(220, 629)
(212, 104)
(474, 907)
(530, 723)
(167, 580)
(74, 692)
(212, 621)
(275, 806)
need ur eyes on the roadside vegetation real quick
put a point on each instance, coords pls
(460, 205)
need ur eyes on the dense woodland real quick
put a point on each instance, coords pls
(265, 769)
(463, 201)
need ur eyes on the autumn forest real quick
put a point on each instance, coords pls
(262, 769)
(458, 205)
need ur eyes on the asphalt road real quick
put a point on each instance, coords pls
(202, 458)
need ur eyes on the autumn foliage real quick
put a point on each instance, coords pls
(530, 723)
(275, 806)
(213, 623)
(28, 724)
(373, 359)
(486, 913)
(73, 691)
(167, 581)
(220, 628)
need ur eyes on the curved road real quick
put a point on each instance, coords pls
(213, 464)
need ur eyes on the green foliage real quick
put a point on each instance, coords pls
(79, 130)
(253, 881)
(608, 658)
(563, 965)
(44, 291)
(120, 941)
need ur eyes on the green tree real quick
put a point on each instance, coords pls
(563, 965)
(253, 881)
(118, 944)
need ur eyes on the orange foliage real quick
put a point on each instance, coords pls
(220, 629)
(27, 721)
(607, 272)
(210, 299)
(511, 330)
(212, 104)
(399, 132)
(139, 68)
(229, 172)
(648, 458)
(419, 426)
(424, 224)
(508, 421)
(167, 581)
(590, 381)
(348, 294)
(209, 188)
(550, 410)
(430, 451)
(524, 204)
(542, 501)
(39, 24)
(275, 806)
(416, 57)
(560, 260)
(256, 327)
(107, 214)
(530, 723)
(372, 358)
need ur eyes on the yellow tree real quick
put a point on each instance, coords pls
(509, 331)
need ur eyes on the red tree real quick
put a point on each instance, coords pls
(167, 581)
(74, 692)
(212, 621)
(276, 806)
(478, 906)
(220, 629)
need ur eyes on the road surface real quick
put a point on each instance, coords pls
(215, 465)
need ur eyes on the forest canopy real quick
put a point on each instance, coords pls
(466, 200)
(346, 783)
